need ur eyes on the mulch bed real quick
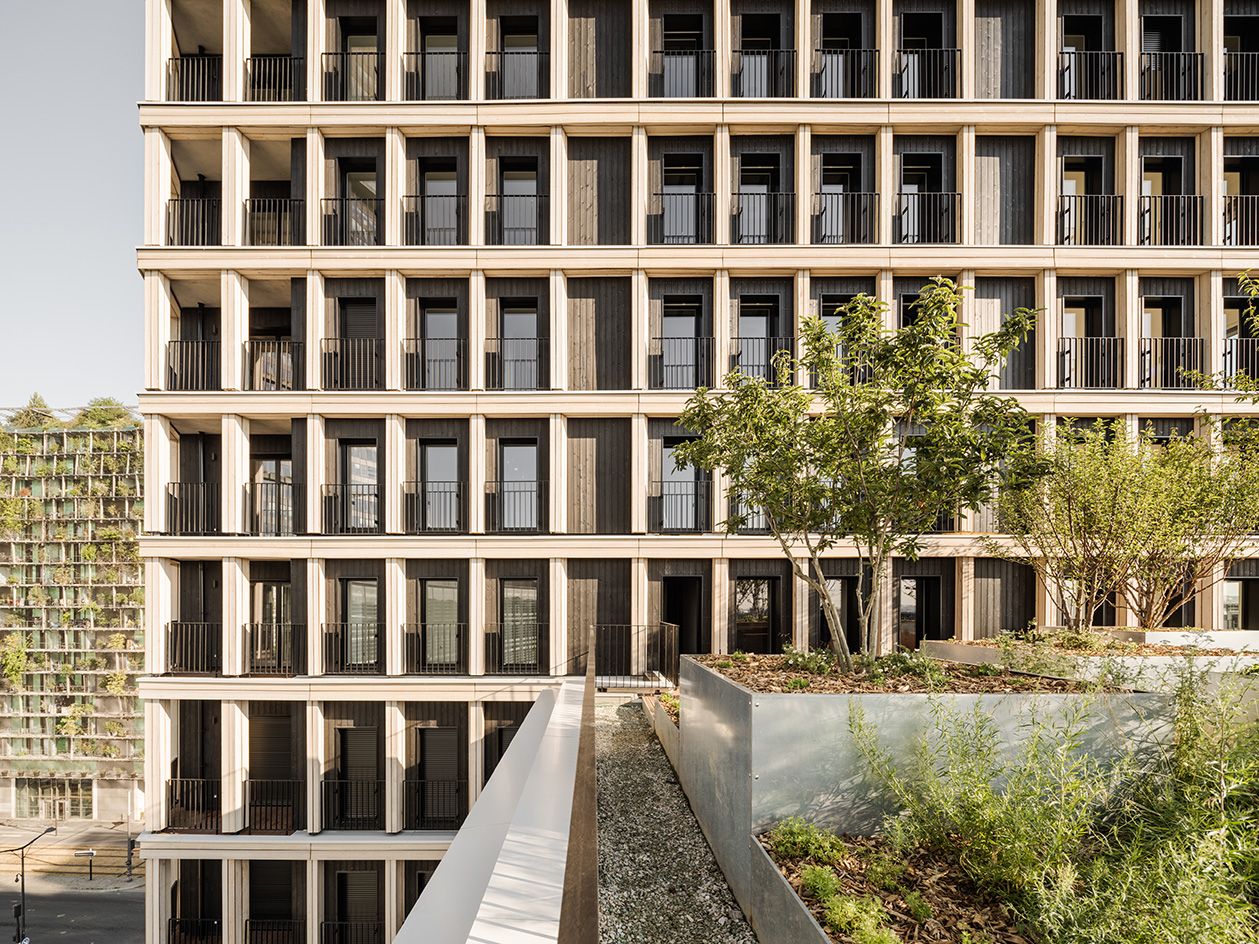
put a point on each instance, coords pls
(672, 709)
(957, 907)
(1116, 647)
(769, 674)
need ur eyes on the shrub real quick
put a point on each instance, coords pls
(793, 838)
(815, 662)
(918, 907)
(13, 659)
(818, 881)
(862, 919)
(797, 684)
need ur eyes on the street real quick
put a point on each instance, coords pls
(70, 910)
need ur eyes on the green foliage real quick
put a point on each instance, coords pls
(36, 415)
(896, 665)
(797, 684)
(793, 838)
(104, 413)
(116, 683)
(815, 661)
(918, 907)
(819, 881)
(14, 659)
(864, 920)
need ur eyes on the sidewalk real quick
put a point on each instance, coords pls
(56, 851)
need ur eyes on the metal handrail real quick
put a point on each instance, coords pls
(1090, 363)
(680, 219)
(353, 221)
(275, 78)
(1170, 219)
(435, 219)
(274, 364)
(353, 363)
(926, 73)
(275, 221)
(1171, 76)
(514, 648)
(1090, 74)
(845, 73)
(679, 506)
(352, 76)
(193, 805)
(928, 217)
(516, 507)
(680, 363)
(433, 507)
(434, 363)
(763, 218)
(435, 648)
(354, 648)
(275, 649)
(194, 221)
(195, 78)
(193, 365)
(194, 648)
(512, 74)
(1090, 219)
(352, 509)
(517, 363)
(275, 806)
(680, 73)
(434, 804)
(764, 73)
(439, 75)
(517, 219)
(850, 218)
(1171, 363)
(193, 508)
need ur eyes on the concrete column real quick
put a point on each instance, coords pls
(395, 327)
(640, 330)
(1211, 184)
(395, 766)
(234, 291)
(639, 589)
(885, 293)
(159, 314)
(159, 47)
(1211, 43)
(721, 327)
(966, 42)
(314, 898)
(1046, 610)
(640, 47)
(476, 749)
(723, 59)
(885, 170)
(237, 45)
(395, 615)
(235, 448)
(395, 471)
(885, 42)
(161, 583)
(234, 752)
(236, 607)
(559, 330)
(395, 171)
(804, 176)
(1047, 185)
(476, 473)
(885, 615)
(316, 306)
(1048, 324)
(159, 179)
(723, 186)
(161, 460)
(1128, 39)
(639, 474)
(158, 880)
(235, 900)
(316, 448)
(557, 496)
(1046, 33)
(1128, 179)
(476, 616)
(477, 28)
(1210, 287)
(1210, 601)
(800, 597)
(394, 893)
(721, 605)
(640, 195)
(235, 149)
(316, 613)
(316, 183)
(803, 309)
(395, 31)
(558, 638)
(804, 49)
(316, 45)
(316, 761)
(476, 331)
(158, 731)
(1128, 315)
(476, 174)
(559, 49)
(559, 186)
(966, 163)
(964, 607)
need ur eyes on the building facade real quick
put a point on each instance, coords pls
(428, 284)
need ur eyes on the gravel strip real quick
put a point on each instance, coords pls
(658, 880)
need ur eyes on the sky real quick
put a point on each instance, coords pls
(71, 316)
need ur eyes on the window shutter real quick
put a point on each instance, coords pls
(358, 753)
(439, 754)
(358, 319)
(358, 896)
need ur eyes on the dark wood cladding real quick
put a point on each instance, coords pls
(821, 287)
(336, 571)
(420, 291)
(423, 148)
(660, 289)
(786, 20)
(781, 290)
(942, 567)
(456, 10)
(337, 289)
(994, 299)
(200, 592)
(435, 568)
(496, 290)
(332, 868)
(1074, 286)
(448, 430)
(599, 329)
(352, 714)
(1004, 597)
(339, 149)
(277, 740)
(694, 570)
(1005, 30)
(599, 35)
(1183, 148)
(598, 594)
(500, 429)
(783, 146)
(1005, 189)
(946, 9)
(1091, 145)
(658, 9)
(499, 147)
(496, 10)
(861, 144)
(864, 8)
(1105, 9)
(197, 753)
(436, 714)
(943, 144)
(598, 488)
(356, 430)
(598, 191)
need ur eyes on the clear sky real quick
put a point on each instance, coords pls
(71, 321)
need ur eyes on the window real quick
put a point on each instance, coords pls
(917, 611)
(439, 477)
(681, 490)
(520, 208)
(359, 494)
(273, 499)
(754, 613)
(438, 752)
(758, 343)
(518, 603)
(683, 211)
(52, 799)
(437, 362)
(519, 491)
(270, 639)
(439, 41)
(838, 219)
(357, 898)
(520, 345)
(684, 66)
(683, 362)
(438, 601)
(362, 627)
(762, 215)
(359, 194)
(439, 197)
(521, 66)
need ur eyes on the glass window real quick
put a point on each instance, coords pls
(361, 617)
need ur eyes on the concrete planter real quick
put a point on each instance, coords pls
(1241, 640)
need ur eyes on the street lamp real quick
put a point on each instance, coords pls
(20, 914)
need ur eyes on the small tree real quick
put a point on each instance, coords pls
(35, 415)
(899, 430)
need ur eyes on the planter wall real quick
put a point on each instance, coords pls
(1239, 639)
(666, 731)
(777, 915)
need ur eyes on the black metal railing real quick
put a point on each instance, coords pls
(680, 363)
(434, 804)
(194, 648)
(1090, 219)
(1171, 363)
(193, 805)
(755, 520)
(1170, 219)
(517, 363)
(680, 219)
(274, 364)
(275, 806)
(845, 73)
(517, 219)
(274, 931)
(433, 507)
(1084, 74)
(354, 804)
(1090, 363)
(1241, 358)
(351, 76)
(351, 932)
(435, 220)
(193, 931)
(763, 218)
(193, 365)
(352, 509)
(195, 78)
(275, 221)
(754, 356)
(354, 648)
(194, 221)
(434, 363)
(435, 76)
(275, 78)
(277, 649)
(353, 363)
(680, 506)
(1171, 76)
(353, 221)
(764, 73)
(680, 73)
(275, 508)
(193, 508)
(517, 74)
(926, 73)
(1241, 76)
(927, 217)
(516, 507)
(514, 648)
(845, 218)
(636, 656)
(1241, 219)
(435, 648)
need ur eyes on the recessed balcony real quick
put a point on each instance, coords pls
(923, 217)
(275, 806)
(434, 804)
(926, 73)
(1090, 363)
(193, 508)
(1090, 219)
(845, 218)
(678, 506)
(193, 805)
(275, 649)
(514, 648)
(353, 804)
(435, 220)
(764, 73)
(194, 648)
(275, 221)
(1171, 76)
(354, 648)
(680, 363)
(274, 364)
(1090, 75)
(1170, 220)
(845, 73)
(1171, 363)
(193, 365)
(435, 648)
(275, 78)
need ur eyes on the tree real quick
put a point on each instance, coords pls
(899, 430)
(35, 415)
(104, 413)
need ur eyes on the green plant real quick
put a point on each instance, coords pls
(818, 881)
(14, 659)
(864, 920)
(738, 657)
(918, 907)
(793, 838)
(885, 872)
(797, 684)
(116, 683)
(816, 661)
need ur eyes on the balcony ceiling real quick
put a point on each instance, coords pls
(270, 160)
(199, 23)
(200, 156)
(194, 292)
(272, 25)
(270, 293)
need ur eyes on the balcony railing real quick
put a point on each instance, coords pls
(273, 931)
(644, 656)
(754, 356)
(927, 217)
(352, 221)
(275, 806)
(514, 648)
(1170, 220)
(1165, 362)
(845, 73)
(275, 508)
(435, 804)
(1241, 219)
(275, 221)
(516, 219)
(355, 648)
(755, 520)
(275, 78)
(1084, 74)
(678, 506)
(1241, 358)
(680, 219)
(764, 73)
(517, 363)
(1090, 219)
(354, 804)
(352, 509)
(195, 78)
(517, 74)
(193, 805)
(351, 76)
(435, 220)
(1241, 76)
(434, 364)
(516, 507)
(1171, 76)
(277, 649)
(435, 76)
(193, 365)
(680, 363)
(681, 73)
(1090, 363)
(434, 507)
(763, 218)
(194, 648)
(353, 363)
(926, 73)
(193, 508)
(846, 218)
(193, 931)
(194, 221)
(435, 648)
(351, 932)
(274, 364)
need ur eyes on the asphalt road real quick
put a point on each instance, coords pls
(69, 911)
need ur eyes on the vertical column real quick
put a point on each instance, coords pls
(477, 28)
(966, 42)
(395, 328)
(316, 44)
(393, 898)
(159, 314)
(235, 614)
(476, 182)
(1210, 603)
(159, 47)
(235, 157)
(161, 582)
(722, 57)
(639, 591)
(476, 616)
(804, 184)
(235, 447)
(721, 327)
(800, 597)
(316, 611)
(557, 494)
(476, 331)
(964, 597)
(476, 749)
(638, 474)
(395, 472)
(966, 175)
(395, 766)
(640, 47)
(395, 30)
(234, 751)
(640, 330)
(559, 49)
(395, 188)
(158, 728)
(316, 329)
(477, 447)
(885, 43)
(885, 613)
(721, 605)
(395, 615)
(559, 187)
(316, 186)
(1046, 220)
(639, 194)
(884, 291)
(1211, 181)
(1047, 325)
(804, 48)
(160, 463)
(723, 186)
(1128, 38)
(159, 185)
(234, 289)
(1046, 33)
(314, 898)
(316, 759)
(316, 473)
(885, 178)
(557, 645)
(1210, 286)
(803, 310)
(559, 330)
(1211, 42)
(237, 42)
(1046, 610)
(1128, 180)
(1128, 302)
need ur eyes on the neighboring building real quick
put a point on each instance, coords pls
(71, 622)
(427, 286)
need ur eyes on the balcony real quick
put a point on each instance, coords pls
(517, 363)
(353, 363)
(434, 364)
(193, 931)
(1165, 362)
(1090, 363)
(272, 931)
(1170, 220)
(1241, 358)
(352, 221)
(845, 73)
(926, 73)
(1241, 76)
(1171, 76)
(351, 932)
(682, 219)
(194, 221)
(353, 804)
(275, 221)
(193, 806)
(681, 73)
(763, 218)
(755, 520)
(754, 356)
(274, 78)
(764, 73)
(845, 219)
(354, 648)
(516, 74)
(636, 656)
(680, 363)
(1084, 74)
(516, 220)
(435, 76)
(435, 220)
(927, 217)
(275, 806)
(194, 648)
(195, 78)
(274, 508)
(435, 804)
(277, 364)
(193, 508)
(275, 649)
(678, 506)
(193, 365)
(434, 507)
(1241, 219)
(351, 76)
(1090, 219)
(514, 649)
(516, 507)
(435, 648)
(352, 509)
